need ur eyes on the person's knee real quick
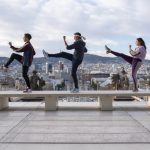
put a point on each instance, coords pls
(72, 75)
(24, 75)
(133, 75)
(62, 52)
(13, 54)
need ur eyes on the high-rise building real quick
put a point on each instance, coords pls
(37, 67)
(61, 65)
(49, 68)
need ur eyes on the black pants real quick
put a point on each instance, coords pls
(75, 64)
(25, 69)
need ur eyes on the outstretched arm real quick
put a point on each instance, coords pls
(12, 47)
(22, 49)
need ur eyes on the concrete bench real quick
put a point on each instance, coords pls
(105, 98)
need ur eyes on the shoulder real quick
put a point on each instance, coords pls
(26, 45)
(141, 48)
(30, 45)
(79, 42)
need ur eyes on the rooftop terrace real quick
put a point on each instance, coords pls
(27, 126)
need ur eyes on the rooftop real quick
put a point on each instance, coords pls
(27, 126)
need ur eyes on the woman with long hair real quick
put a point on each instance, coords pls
(137, 57)
(76, 58)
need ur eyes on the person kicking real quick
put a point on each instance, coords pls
(135, 60)
(26, 60)
(76, 58)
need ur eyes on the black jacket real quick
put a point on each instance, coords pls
(80, 49)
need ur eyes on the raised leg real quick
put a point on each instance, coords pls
(105, 103)
(51, 103)
(13, 57)
(127, 58)
(62, 55)
(3, 102)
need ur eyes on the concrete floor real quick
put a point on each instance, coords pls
(28, 126)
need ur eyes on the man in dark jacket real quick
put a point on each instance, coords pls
(26, 60)
(76, 58)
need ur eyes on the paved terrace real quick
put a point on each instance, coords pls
(28, 126)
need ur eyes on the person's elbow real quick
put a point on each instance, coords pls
(135, 54)
(68, 47)
(19, 51)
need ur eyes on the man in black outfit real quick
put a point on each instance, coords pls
(26, 60)
(76, 58)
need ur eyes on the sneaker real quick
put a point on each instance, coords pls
(75, 90)
(4, 68)
(45, 54)
(27, 90)
(108, 50)
(135, 90)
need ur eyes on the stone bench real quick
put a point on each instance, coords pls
(105, 98)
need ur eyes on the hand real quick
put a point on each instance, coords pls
(64, 37)
(130, 46)
(10, 44)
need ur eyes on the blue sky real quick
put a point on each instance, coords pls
(114, 22)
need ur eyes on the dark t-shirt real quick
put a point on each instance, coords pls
(28, 53)
(80, 49)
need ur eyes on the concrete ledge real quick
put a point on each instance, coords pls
(68, 93)
(105, 98)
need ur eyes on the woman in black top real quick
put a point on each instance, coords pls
(76, 58)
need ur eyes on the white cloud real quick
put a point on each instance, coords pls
(113, 22)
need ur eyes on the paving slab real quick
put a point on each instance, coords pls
(85, 123)
(102, 118)
(77, 146)
(82, 129)
(32, 127)
(80, 138)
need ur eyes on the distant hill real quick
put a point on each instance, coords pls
(89, 58)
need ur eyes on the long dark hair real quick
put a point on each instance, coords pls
(142, 42)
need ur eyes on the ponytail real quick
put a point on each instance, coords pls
(83, 37)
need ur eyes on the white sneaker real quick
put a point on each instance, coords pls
(135, 90)
(45, 54)
(27, 90)
(108, 50)
(75, 90)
